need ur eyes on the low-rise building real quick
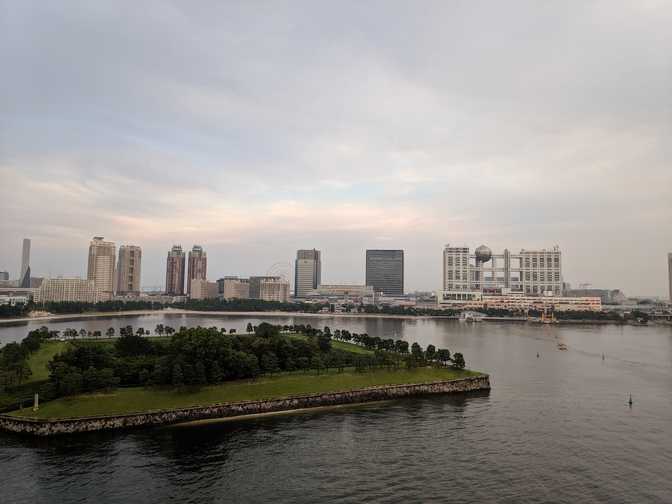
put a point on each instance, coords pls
(342, 293)
(515, 301)
(232, 287)
(274, 289)
(59, 290)
(202, 289)
(13, 300)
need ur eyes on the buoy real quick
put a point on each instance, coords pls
(537, 355)
(630, 401)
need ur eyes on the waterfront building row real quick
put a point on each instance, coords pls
(515, 301)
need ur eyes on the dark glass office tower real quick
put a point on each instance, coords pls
(385, 271)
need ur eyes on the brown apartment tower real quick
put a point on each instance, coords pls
(198, 266)
(175, 271)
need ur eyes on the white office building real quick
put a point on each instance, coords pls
(530, 272)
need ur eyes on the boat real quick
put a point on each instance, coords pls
(470, 316)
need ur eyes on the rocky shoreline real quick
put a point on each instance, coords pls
(51, 427)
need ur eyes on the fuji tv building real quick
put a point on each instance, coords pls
(530, 278)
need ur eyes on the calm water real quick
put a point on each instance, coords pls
(553, 429)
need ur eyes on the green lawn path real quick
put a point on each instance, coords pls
(38, 361)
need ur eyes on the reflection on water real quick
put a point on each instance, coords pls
(553, 429)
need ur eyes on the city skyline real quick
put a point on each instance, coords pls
(162, 285)
(317, 129)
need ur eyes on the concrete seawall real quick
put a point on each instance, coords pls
(50, 427)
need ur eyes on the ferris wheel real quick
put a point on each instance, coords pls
(281, 269)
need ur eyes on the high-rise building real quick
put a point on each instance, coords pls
(198, 266)
(231, 287)
(24, 277)
(175, 271)
(101, 267)
(59, 290)
(307, 272)
(385, 271)
(532, 272)
(129, 265)
(669, 272)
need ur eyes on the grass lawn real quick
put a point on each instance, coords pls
(39, 360)
(129, 400)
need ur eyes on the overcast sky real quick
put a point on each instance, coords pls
(256, 128)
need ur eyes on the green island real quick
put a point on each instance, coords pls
(134, 373)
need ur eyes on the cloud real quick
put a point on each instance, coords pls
(348, 125)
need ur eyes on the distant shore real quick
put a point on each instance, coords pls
(276, 313)
(179, 311)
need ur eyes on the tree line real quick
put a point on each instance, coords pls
(201, 356)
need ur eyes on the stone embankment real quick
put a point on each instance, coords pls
(50, 427)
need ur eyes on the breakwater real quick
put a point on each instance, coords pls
(51, 427)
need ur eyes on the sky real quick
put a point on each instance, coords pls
(258, 128)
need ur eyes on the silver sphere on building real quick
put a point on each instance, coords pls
(483, 254)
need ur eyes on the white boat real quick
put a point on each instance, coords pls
(471, 316)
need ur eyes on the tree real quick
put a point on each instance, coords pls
(430, 353)
(266, 330)
(269, 363)
(177, 378)
(458, 360)
(249, 328)
(416, 350)
(201, 378)
(216, 375)
(316, 363)
(324, 342)
(110, 332)
(443, 355)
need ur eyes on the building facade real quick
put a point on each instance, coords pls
(202, 289)
(274, 289)
(101, 267)
(175, 271)
(342, 293)
(232, 287)
(607, 296)
(385, 271)
(129, 265)
(255, 285)
(24, 277)
(59, 290)
(4, 276)
(515, 302)
(198, 266)
(530, 272)
(307, 272)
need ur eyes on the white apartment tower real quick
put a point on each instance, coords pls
(530, 272)
(129, 270)
(101, 267)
